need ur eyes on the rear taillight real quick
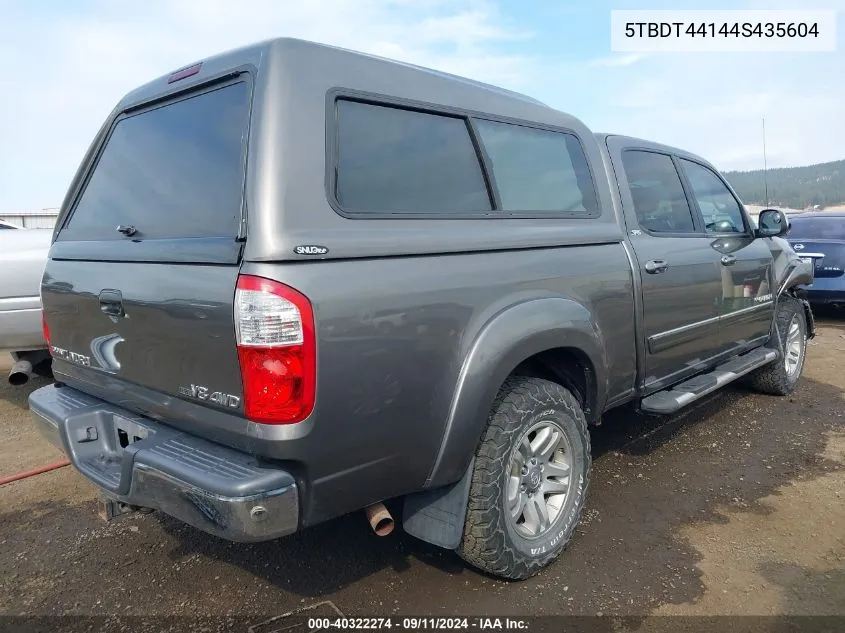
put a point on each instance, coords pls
(45, 329)
(274, 326)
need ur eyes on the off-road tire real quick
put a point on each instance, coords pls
(489, 540)
(773, 378)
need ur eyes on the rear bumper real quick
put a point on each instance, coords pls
(141, 462)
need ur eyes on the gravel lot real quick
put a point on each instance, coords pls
(734, 507)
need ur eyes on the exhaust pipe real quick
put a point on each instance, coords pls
(380, 519)
(20, 373)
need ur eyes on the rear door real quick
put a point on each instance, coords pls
(680, 283)
(745, 263)
(138, 291)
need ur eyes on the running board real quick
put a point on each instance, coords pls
(699, 386)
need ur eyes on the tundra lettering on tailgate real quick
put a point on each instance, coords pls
(73, 357)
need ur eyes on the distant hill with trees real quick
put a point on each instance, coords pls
(794, 187)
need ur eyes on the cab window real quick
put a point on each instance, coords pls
(657, 193)
(719, 209)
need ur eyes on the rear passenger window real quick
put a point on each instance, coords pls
(538, 170)
(659, 200)
(392, 160)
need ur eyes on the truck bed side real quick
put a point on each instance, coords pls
(390, 354)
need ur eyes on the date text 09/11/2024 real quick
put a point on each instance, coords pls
(419, 623)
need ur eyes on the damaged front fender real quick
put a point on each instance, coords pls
(788, 268)
(790, 273)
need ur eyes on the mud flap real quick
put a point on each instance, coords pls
(800, 294)
(811, 321)
(437, 516)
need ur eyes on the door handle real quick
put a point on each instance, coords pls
(656, 266)
(111, 302)
(728, 260)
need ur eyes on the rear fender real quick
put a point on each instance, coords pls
(510, 337)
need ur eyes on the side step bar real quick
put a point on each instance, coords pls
(699, 386)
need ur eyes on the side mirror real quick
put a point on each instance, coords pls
(772, 223)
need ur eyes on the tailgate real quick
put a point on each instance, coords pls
(168, 327)
(139, 288)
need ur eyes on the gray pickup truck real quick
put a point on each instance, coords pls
(293, 281)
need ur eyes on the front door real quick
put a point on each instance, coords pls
(745, 263)
(680, 278)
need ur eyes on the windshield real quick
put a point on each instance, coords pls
(817, 228)
(175, 171)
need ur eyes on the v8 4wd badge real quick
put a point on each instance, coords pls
(200, 392)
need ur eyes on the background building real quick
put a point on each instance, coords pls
(40, 219)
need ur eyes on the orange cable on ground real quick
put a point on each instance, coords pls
(34, 471)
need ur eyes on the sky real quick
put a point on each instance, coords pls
(65, 66)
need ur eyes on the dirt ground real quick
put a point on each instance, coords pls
(736, 506)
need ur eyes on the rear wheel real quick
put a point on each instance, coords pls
(781, 377)
(531, 474)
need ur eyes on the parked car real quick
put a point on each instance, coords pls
(819, 238)
(23, 254)
(330, 279)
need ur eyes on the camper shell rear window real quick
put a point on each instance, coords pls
(173, 170)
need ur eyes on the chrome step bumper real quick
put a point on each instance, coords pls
(140, 462)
